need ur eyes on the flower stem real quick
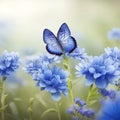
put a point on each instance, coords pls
(93, 95)
(3, 97)
(58, 111)
(30, 110)
(67, 67)
(70, 89)
(89, 94)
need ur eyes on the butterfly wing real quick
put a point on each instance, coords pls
(67, 42)
(52, 44)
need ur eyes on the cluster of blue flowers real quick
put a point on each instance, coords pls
(9, 62)
(101, 70)
(80, 108)
(49, 77)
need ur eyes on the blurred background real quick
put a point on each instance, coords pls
(21, 29)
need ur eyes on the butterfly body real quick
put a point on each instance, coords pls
(63, 43)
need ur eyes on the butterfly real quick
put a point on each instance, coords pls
(63, 43)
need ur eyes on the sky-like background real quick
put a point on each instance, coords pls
(23, 22)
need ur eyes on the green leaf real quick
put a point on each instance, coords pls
(47, 111)
(93, 95)
(92, 102)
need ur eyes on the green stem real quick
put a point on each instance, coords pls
(67, 67)
(89, 94)
(70, 90)
(30, 110)
(58, 111)
(30, 115)
(3, 96)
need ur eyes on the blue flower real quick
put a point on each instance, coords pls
(49, 58)
(71, 110)
(110, 109)
(85, 111)
(80, 108)
(104, 92)
(54, 81)
(34, 66)
(79, 102)
(110, 93)
(37, 63)
(113, 53)
(100, 70)
(78, 53)
(114, 34)
(49, 78)
(9, 62)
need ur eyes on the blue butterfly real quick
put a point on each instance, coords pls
(63, 43)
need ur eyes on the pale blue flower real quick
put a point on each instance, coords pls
(113, 53)
(114, 34)
(34, 65)
(54, 81)
(100, 70)
(39, 62)
(9, 62)
(49, 58)
(78, 53)
(49, 78)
